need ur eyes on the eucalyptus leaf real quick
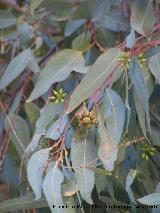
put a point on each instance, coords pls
(35, 168)
(18, 130)
(110, 135)
(15, 68)
(6, 19)
(96, 75)
(142, 16)
(83, 152)
(151, 199)
(57, 69)
(154, 66)
(52, 189)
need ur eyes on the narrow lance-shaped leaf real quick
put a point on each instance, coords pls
(142, 16)
(6, 19)
(154, 66)
(151, 199)
(57, 69)
(18, 130)
(15, 68)
(139, 82)
(52, 189)
(114, 118)
(83, 152)
(36, 166)
(97, 73)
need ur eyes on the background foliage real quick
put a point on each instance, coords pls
(79, 105)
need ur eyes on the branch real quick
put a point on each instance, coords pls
(13, 6)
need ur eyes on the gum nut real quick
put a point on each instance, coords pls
(92, 115)
(56, 101)
(85, 113)
(88, 126)
(52, 98)
(86, 120)
(94, 121)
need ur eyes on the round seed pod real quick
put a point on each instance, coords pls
(92, 115)
(94, 121)
(86, 120)
(85, 113)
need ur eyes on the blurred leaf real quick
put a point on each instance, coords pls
(6, 19)
(131, 39)
(110, 135)
(83, 152)
(57, 69)
(73, 25)
(34, 5)
(96, 75)
(33, 145)
(32, 111)
(57, 128)
(82, 43)
(52, 189)
(154, 66)
(26, 201)
(151, 199)
(35, 168)
(17, 129)
(47, 115)
(15, 68)
(115, 20)
(129, 180)
(142, 16)
(138, 80)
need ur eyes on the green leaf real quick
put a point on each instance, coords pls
(52, 189)
(47, 115)
(26, 201)
(83, 152)
(33, 145)
(15, 68)
(35, 168)
(129, 180)
(6, 19)
(115, 20)
(18, 130)
(34, 5)
(140, 85)
(57, 69)
(32, 111)
(142, 16)
(110, 135)
(97, 73)
(73, 25)
(82, 42)
(154, 66)
(151, 199)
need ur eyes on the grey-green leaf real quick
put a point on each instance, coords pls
(15, 68)
(83, 152)
(114, 118)
(18, 130)
(34, 5)
(27, 201)
(57, 69)
(6, 19)
(151, 199)
(142, 16)
(96, 75)
(154, 66)
(47, 115)
(35, 169)
(52, 189)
